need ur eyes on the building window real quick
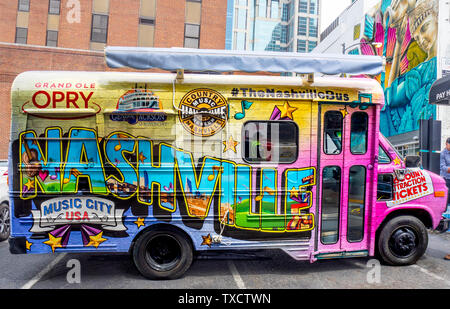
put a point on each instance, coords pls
(302, 25)
(313, 27)
(24, 5)
(99, 30)
(21, 35)
(270, 141)
(146, 21)
(301, 46)
(303, 6)
(191, 35)
(54, 7)
(52, 38)
(313, 7)
(311, 45)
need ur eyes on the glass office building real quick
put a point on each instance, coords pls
(273, 25)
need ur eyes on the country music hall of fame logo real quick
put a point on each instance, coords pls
(203, 112)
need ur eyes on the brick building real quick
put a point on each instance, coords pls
(71, 35)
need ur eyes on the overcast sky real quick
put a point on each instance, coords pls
(330, 10)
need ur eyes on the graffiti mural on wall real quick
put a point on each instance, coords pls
(407, 30)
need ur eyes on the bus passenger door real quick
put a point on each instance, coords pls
(346, 163)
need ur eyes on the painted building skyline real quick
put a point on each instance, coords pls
(273, 25)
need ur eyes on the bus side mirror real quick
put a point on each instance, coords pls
(412, 161)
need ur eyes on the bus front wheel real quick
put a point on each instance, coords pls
(402, 241)
(163, 253)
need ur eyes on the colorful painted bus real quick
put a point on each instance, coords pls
(164, 167)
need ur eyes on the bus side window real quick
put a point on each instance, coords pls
(383, 157)
(332, 132)
(385, 187)
(358, 133)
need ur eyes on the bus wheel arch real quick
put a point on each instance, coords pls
(162, 251)
(402, 237)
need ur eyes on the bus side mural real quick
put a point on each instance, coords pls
(86, 169)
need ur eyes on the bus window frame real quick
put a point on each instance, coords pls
(297, 144)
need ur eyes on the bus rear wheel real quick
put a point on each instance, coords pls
(403, 240)
(163, 253)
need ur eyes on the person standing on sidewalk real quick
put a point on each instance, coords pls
(445, 171)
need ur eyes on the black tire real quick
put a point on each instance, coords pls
(5, 221)
(164, 253)
(402, 241)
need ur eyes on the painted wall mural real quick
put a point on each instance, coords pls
(408, 32)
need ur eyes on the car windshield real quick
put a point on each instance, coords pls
(393, 148)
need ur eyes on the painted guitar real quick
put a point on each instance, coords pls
(31, 161)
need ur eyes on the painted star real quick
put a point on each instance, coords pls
(142, 157)
(28, 245)
(397, 161)
(294, 192)
(139, 222)
(207, 240)
(286, 110)
(344, 112)
(29, 184)
(53, 242)
(96, 240)
(230, 144)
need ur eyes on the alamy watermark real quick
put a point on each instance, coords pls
(74, 274)
(374, 274)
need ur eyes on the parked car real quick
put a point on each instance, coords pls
(4, 202)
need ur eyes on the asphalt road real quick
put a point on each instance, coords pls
(260, 270)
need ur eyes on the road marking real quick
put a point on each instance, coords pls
(426, 271)
(43, 272)
(236, 276)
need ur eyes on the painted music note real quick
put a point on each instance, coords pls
(364, 101)
(74, 172)
(213, 174)
(265, 190)
(119, 146)
(245, 105)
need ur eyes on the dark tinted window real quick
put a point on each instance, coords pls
(331, 197)
(385, 186)
(274, 141)
(24, 5)
(21, 35)
(358, 134)
(332, 131)
(52, 38)
(99, 31)
(191, 35)
(383, 157)
(53, 7)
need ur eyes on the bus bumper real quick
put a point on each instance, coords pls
(443, 225)
(17, 245)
